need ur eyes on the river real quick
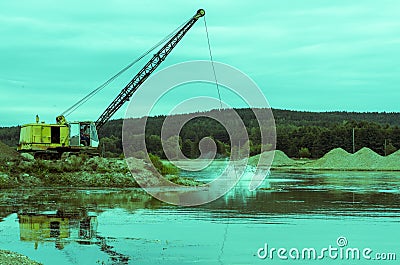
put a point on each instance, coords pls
(328, 217)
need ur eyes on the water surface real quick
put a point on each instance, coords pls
(291, 210)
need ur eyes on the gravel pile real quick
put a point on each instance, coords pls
(336, 159)
(363, 159)
(280, 159)
(393, 160)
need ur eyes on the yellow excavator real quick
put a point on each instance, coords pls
(51, 141)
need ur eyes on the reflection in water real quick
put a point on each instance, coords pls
(115, 226)
(58, 226)
(64, 227)
(371, 194)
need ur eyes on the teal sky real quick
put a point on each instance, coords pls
(305, 55)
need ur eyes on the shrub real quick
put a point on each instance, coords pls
(161, 168)
(304, 152)
(390, 149)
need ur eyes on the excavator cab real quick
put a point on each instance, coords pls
(83, 134)
(52, 141)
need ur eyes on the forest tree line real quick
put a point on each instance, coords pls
(299, 133)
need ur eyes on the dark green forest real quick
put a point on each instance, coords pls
(299, 133)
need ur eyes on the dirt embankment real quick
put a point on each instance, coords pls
(76, 171)
(338, 159)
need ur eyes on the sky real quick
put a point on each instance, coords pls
(308, 55)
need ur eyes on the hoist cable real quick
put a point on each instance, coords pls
(212, 63)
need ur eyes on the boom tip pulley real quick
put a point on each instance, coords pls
(200, 13)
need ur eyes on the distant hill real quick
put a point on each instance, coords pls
(319, 132)
(295, 118)
(302, 118)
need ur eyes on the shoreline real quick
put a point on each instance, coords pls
(98, 172)
(120, 180)
(8, 257)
